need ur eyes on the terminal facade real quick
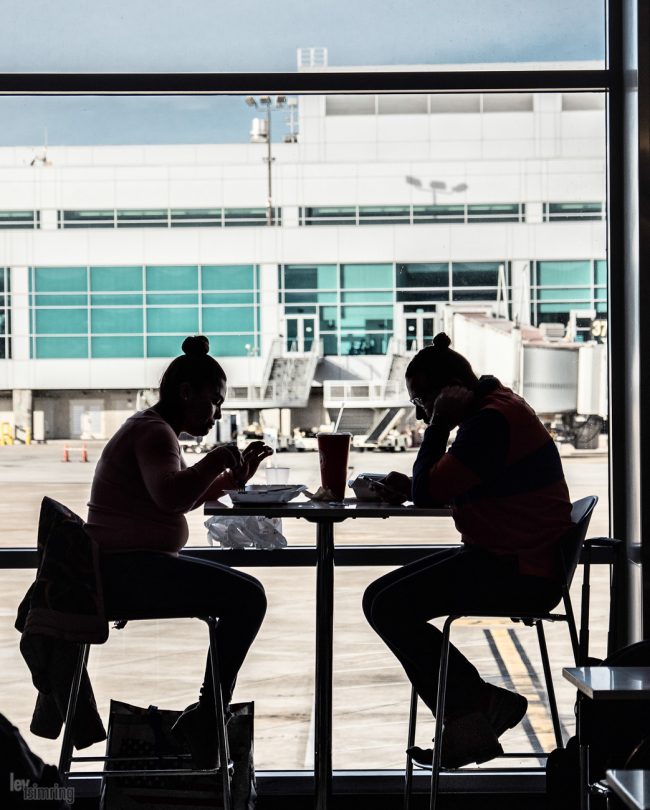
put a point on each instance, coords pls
(384, 209)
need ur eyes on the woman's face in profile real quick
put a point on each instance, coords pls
(202, 407)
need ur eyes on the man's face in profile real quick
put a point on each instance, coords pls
(423, 394)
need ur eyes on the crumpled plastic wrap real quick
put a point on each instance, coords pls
(322, 494)
(245, 531)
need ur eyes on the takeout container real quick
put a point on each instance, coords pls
(265, 493)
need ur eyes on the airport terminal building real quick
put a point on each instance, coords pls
(383, 209)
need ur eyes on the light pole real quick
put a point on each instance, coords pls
(435, 187)
(264, 134)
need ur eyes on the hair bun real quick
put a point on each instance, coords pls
(442, 341)
(196, 345)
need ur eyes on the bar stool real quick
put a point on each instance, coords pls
(571, 550)
(66, 759)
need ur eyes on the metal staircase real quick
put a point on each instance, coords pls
(286, 381)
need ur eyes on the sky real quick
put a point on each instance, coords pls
(251, 35)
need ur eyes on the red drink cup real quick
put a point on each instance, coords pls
(334, 449)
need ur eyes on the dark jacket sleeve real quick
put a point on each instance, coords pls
(479, 450)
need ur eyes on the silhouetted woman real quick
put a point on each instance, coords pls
(140, 493)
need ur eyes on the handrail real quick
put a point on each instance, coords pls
(305, 556)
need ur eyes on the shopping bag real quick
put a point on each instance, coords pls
(144, 737)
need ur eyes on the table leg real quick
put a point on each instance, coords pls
(583, 748)
(323, 686)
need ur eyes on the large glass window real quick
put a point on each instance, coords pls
(5, 309)
(210, 39)
(351, 157)
(18, 219)
(127, 303)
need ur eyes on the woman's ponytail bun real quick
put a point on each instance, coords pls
(442, 341)
(196, 345)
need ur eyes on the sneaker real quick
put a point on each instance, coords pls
(195, 728)
(466, 739)
(504, 709)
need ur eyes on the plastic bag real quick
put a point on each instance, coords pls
(240, 531)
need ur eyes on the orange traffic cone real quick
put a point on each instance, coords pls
(84, 453)
(66, 455)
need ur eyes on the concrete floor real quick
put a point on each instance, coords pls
(162, 662)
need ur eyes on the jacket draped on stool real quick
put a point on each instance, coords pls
(62, 609)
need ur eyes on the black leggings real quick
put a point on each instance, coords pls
(152, 585)
(461, 581)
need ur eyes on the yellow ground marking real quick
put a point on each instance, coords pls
(538, 714)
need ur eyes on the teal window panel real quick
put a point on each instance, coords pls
(228, 298)
(576, 294)
(166, 299)
(61, 321)
(429, 274)
(198, 216)
(328, 320)
(429, 295)
(116, 279)
(88, 219)
(248, 216)
(363, 343)
(300, 310)
(172, 319)
(494, 212)
(172, 278)
(131, 217)
(366, 276)
(475, 274)
(474, 295)
(565, 272)
(601, 292)
(165, 345)
(384, 214)
(575, 210)
(367, 297)
(310, 297)
(330, 215)
(600, 272)
(228, 319)
(60, 279)
(117, 346)
(60, 347)
(310, 277)
(369, 318)
(564, 307)
(60, 300)
(438, 213)
(18, 219)
(228, 277)
(117, 299)
(231, 345)
(330, 344)
(114, 320)
(601, 307)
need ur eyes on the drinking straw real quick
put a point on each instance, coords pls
(338, 418)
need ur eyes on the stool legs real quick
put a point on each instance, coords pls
(440, 711)
(408, 779)
(66, 758)
(550, 689)
(222, 737)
